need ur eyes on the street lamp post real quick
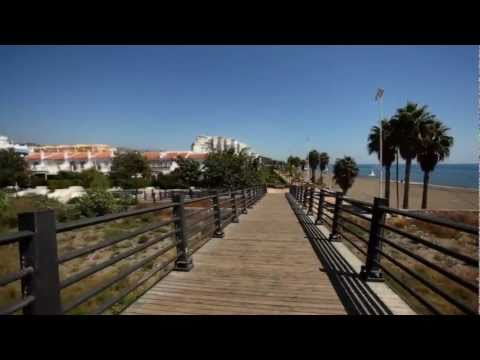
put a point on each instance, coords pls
(379, 98)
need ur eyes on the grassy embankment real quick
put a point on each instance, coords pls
(78, 239)
(451, 239)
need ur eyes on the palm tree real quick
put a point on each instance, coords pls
(344, 173)
(405, 129)
(434, 146)
(388, 150)
(324, 159)
(303, 163)
(313, 161)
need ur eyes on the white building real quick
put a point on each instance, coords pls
(165, 162)
(204, 143)
(50, 160)
(6, 144)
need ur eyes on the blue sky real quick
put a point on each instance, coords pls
(281, 100)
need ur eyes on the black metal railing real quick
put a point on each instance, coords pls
(183, 219)
(363, 225)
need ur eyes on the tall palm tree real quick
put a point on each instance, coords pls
(406, 128)
(344, 173)
(434, 146)
(313, 161)
(324, 159)
(388, 150)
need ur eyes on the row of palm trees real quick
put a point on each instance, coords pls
(413, 132)
(315, 160)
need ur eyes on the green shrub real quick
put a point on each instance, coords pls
(37, 181)
(3, 201)
(96, 203)
(94, 179)
(61, 184)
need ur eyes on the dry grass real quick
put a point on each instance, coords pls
(77, 239)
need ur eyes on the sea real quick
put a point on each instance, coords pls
(458, 175)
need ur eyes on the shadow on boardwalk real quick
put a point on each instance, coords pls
(355, 295)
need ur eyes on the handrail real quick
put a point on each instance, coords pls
(105, 218)
(434, 220)
(377, 236)
(40, 230)
(15, 237)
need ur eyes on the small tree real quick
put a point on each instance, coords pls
(189, 172)
(126, 167)
(313, 161)
(225, 169)
(344, 173)
(96, 203)
(94, 179)
(13, 169)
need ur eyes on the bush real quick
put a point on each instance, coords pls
(96, 203)
(169, 181)
(14, 206)
(61, 184)
(94, 179)
(38, 181)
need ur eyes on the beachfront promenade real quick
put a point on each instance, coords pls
(266, 264)
(263, 265)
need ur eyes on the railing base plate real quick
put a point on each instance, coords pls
(372, 276)
(183, 265)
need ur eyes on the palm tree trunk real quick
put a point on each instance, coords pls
(408, 164)
(426, 178)
(313, 176)
(387, 184)
(398, 193)
(321, 177)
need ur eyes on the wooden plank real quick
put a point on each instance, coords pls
(263, 265)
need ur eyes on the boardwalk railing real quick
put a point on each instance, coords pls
(363, 225)
(156, 195)
(39, 259)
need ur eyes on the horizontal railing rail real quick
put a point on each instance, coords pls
(186, 216)
(365, 226)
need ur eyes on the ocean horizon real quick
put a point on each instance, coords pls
(456, 175)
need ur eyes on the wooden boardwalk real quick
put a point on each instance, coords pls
(263, 265)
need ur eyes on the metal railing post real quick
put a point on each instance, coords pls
(371, 271)
(244, 200)
(234, 208)
(184, 260)
(250, 198)
(218, 216)
(335, 235)
(305, 197)
(321, 203)
(310, 202)
(40, 253)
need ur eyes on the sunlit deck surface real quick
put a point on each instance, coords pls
(275, 261)
(263, 265)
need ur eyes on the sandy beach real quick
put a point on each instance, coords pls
(439, 197)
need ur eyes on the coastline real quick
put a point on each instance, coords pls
(439, 196)
(447, 187)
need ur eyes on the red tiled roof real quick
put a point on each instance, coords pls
(33, 157)
(55, 156)
(80, 155)
(151, 155)
(197, 156)
(102, 155)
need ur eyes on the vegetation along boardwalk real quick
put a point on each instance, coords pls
(263, 265)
